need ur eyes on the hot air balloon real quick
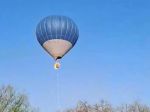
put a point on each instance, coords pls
(57, 35)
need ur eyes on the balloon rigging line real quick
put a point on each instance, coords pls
(58, 90)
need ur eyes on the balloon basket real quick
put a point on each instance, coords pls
(56, 65)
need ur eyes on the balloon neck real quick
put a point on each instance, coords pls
(59, 57)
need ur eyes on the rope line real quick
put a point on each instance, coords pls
(58, 91)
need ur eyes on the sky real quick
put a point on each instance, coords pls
(110, 61)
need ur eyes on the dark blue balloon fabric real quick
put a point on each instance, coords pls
(57, 27)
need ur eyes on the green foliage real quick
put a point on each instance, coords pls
(10, 101)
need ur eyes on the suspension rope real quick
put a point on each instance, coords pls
(58, 90)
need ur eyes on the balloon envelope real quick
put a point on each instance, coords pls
(57, 35)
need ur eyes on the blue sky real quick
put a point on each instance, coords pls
(110, 61)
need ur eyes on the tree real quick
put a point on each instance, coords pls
(103, 106)
(85, 107)
(11, 101)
